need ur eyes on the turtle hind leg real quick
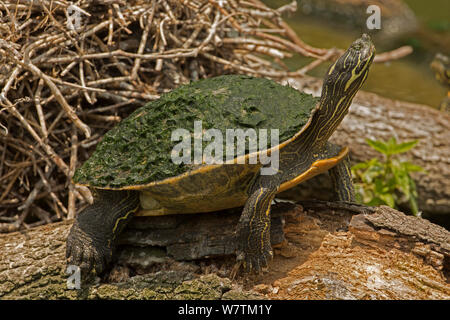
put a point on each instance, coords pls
(254, 246)
(91, 238)
(341, 177)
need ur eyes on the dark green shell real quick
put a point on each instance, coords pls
(138, 150)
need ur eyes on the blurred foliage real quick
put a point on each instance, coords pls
(439, 25)
(387, 182)
(416, 43)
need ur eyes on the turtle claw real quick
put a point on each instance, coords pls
(259, 263)
(101, 260)
(255, 263)
(87, 252)
(86, 262)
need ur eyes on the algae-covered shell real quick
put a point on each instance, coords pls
(137, 152)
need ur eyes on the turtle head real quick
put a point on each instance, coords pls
(342, 81)
(348, 73)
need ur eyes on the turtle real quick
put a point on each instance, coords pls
(441, 68)
(133, 169)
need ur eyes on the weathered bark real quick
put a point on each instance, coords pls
(380, 255)
(331, 252)
(33, 265)
(375, 117)
(185, 237)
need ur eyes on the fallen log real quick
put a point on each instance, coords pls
(375, 117)
(320, 239)
(186, 237)
(33, 264)
(380, 255)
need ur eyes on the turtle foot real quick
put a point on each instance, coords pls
(86, 251)
(255, 261)
(255, 250)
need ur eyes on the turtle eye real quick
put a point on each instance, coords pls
(357, 46)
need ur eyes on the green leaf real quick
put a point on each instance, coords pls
(369, 175)
(410, 167)
(379, 186)
(388, 199)
(413, 198)
(375, 163)
(403, 147)
(391, 183)
(361, 165)
(380, 146)
(391, 144)
(380, 182)
(403, 183)
(376, 202)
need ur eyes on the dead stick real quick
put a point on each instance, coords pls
(10, 184)
(50, 191)
(72, 166)
(394, 54)
(143, 42)
(37, 103)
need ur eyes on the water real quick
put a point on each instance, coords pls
(430, 11)
(408, 79)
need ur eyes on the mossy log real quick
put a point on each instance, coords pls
(330, 252)
(374, 117)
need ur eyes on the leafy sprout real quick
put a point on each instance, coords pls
(387, 182)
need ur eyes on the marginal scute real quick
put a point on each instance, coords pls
(138, 150)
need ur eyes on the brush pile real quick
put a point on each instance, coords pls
(70, 71)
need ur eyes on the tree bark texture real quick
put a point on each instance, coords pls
(33, 265)
(379, 255)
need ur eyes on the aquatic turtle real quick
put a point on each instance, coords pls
(441, 67)
(133, 170)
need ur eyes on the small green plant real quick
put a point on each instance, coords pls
(387, 182)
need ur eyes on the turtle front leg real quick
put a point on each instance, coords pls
(342, 181)
(91, 238)
(254, 247)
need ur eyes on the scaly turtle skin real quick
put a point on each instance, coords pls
(131, 170)
(441, 67)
